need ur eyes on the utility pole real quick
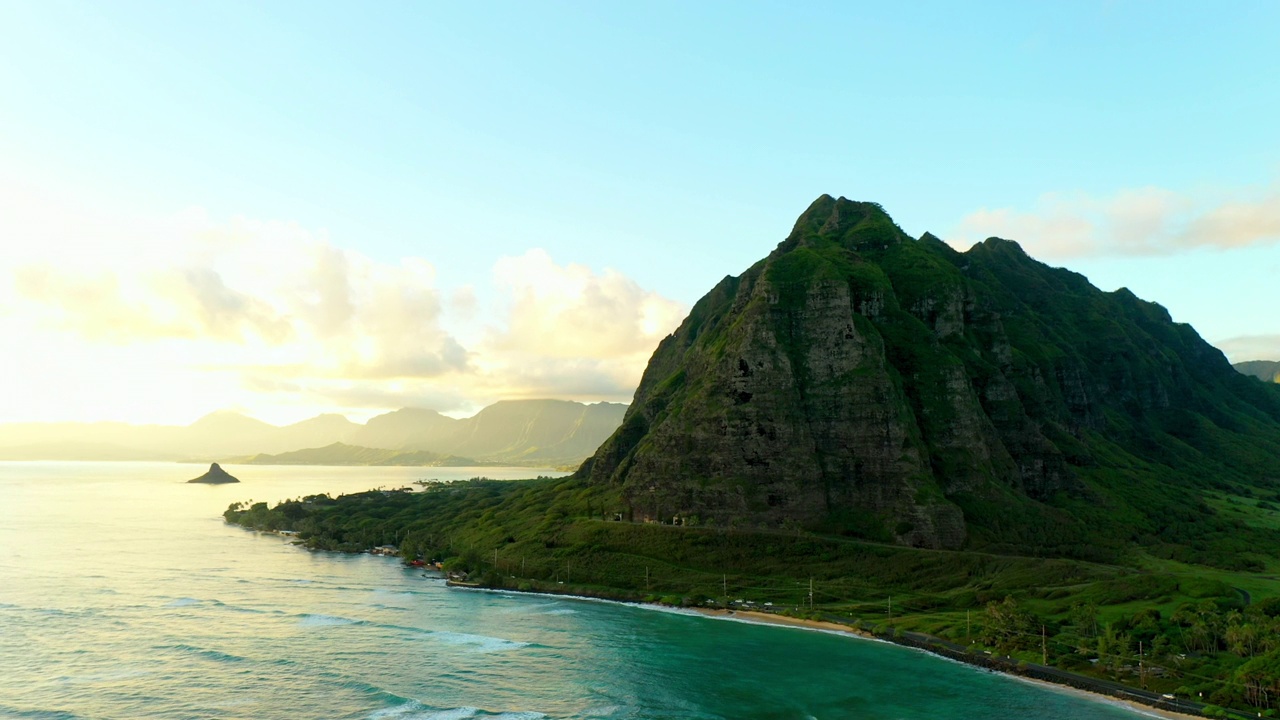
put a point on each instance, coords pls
(1142, 679)
(1044, 649)
(810, 592)
(495, 558)
(566, 571)
(724, 587)
(521, 566)
(891, 608)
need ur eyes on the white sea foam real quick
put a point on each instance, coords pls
(524, 608)
(311, 620)
(481, 643)
(665, 609)
(417, 711)
(414, 710)
(182, 602)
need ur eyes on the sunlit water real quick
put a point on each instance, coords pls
(124, 595)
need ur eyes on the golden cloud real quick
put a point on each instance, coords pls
(1139, 221)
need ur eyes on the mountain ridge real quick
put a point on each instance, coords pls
(862, 382)
(342, 454)
(1264, 370)
(536, 433)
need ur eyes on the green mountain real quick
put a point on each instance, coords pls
(875, 430)
(1265, 370)
(861, 382)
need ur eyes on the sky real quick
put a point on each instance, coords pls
(292, 208)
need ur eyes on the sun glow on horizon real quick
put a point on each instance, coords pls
(206, 206)
(165, 320)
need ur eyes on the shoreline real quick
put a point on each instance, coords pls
(764, 618)
(1137, 707)
(1059, 680)
(985, 662)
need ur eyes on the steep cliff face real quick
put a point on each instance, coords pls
(860, 381)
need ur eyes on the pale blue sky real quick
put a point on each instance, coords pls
(672, 142)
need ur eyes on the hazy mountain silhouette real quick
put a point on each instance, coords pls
(522, 432)
(1265, 370)
(415, 428)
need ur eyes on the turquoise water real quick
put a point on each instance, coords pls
(124, 595)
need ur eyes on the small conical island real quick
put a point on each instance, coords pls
(215, 476)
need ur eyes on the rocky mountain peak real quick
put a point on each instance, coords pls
(851, 224)
(860, 382)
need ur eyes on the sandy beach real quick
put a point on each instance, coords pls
(772, 619)
(1136, 707)
(764, 618)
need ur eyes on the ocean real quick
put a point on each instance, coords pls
(124, 595)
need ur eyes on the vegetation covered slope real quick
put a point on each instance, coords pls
(1157, 624)
(860, 382)
(1022, 462)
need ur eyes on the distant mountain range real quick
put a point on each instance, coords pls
(541, 433)
(343, 454)
(1265, 370)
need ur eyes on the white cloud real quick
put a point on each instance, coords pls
(139, 318)
(572, 332)
(167, 319)
(1139, 221)
(570, 311)
(266, 291)
(1250, 347)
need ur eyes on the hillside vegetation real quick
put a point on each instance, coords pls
(1022, 462)
(862, 383)
(1190, 629)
